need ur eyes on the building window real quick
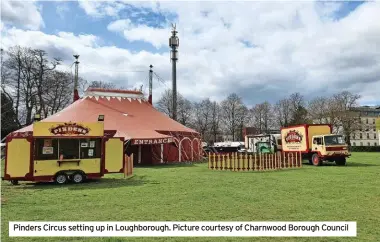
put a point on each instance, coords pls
(374, 135)
(361, 143)
(361, 136)
(366, 120)
(354, 144)
(367, 135)
(375, 144)
(369, 144)
(373, 121)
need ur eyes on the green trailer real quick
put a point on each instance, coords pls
(263, 144)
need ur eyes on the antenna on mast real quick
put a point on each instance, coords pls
(174, 44)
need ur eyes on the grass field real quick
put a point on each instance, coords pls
(194, 193)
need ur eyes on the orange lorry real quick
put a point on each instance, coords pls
(316, 143)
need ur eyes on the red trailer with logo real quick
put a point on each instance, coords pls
(316, 143)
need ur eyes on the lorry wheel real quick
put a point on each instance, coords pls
(316, 160)
(340, 161)
(60, 178)
(77, 177)
(14, 182)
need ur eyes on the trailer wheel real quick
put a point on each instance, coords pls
(60, 178)
(316, 160)
(14, 182)
(340, 161)
(77, 177)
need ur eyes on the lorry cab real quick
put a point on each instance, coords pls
(330, 148)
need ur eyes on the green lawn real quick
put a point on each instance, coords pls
(194, 193)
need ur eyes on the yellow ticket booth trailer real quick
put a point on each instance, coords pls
(62, 152)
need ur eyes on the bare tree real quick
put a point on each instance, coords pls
(282, 111)
(185, 109)
(11, 79)
(242, 118)
(234, 114)
(318, 109)
(164, 104)
(102, 84)
(296, 100)
(202, 116)
(343, 108)
(28, 84)
(33, 85)
(58, 92)
(256, 117)
(323, 110)
(42, 68)
(299, 114)
(261, 116)
(215, 120)
(184, 106)
(8, 116)
(291, 111)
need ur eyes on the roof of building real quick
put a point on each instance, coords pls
(127, 112)
(367, 108)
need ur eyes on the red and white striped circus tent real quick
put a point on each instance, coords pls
(150, 135)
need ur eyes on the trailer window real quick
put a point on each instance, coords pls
(46, 149)
(69, 148)
(90, 148)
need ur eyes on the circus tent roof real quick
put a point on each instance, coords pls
(127, 112)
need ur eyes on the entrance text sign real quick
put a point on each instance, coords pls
(183, 229)
(152, 141)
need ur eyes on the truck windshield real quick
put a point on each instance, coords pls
(334, 140)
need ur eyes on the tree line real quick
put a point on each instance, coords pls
(31, 83)
(214, 119)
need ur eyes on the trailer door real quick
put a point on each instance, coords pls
(18, 158)
(114, 155)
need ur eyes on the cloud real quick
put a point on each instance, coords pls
(62, 9)
(99, 9)
(296, 47)
(158, 37)
(24, 14)
(107, 63)
(119, 25)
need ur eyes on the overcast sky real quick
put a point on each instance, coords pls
(260, 50)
